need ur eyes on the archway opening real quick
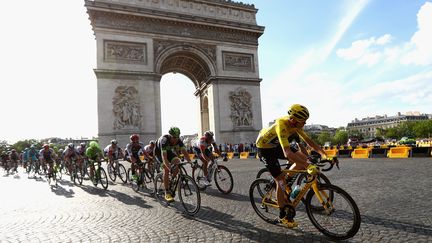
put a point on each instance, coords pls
(179, 105)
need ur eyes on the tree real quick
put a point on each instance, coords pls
(21, 145)
(324, 137)
(340, 137)
(4, 146)
(423, 129)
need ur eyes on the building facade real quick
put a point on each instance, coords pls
(370, 126)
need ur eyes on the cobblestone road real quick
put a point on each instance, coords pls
(394, 197)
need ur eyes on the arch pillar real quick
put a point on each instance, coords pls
(234, 109)
(128, 102)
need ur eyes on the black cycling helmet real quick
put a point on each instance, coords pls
(152, 142)
(114, 142)
(209, 134)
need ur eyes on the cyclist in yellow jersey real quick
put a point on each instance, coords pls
(273, 144)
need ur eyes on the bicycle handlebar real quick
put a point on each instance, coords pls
(316, 160)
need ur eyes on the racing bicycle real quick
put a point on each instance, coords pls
(330, 209)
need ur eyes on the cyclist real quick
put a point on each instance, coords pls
(94, 153)
(47, 156)
(134, 149)
(33, 155)
(14, 158)
(113, 152)
(165, 152)
(24, 157)
(148, 153)
(5, 160)
(201, 149)
(273, 144)
(68, 154)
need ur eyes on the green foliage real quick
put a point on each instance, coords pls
(324, 137)
(355, 134)
(4, 146)
(21, 145)
(340, 137)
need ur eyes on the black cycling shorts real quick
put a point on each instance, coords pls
(197, 151)
(271, 157)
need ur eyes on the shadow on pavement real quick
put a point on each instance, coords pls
(398, 225)
(214, 192)
(228, 223)
(61, 191)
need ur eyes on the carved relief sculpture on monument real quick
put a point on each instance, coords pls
(126, 108)
(241, 108)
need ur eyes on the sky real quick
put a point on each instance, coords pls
(343, 59)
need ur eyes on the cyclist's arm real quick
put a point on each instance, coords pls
(216, 149)
(185, 154)
(312, 144)
(165, 159)
(203, 155)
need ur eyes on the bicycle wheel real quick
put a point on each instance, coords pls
(262, 195)
(264, 173)
(78, 176)
(29, 167)
(223, 179)
(129, 175)
(58, 173)
(341, 220)
(159, 191)
(189, 194)
(111, 172)
(136, 184)
(198, 176)
(122, 173)
(103, 178)
(322, 179)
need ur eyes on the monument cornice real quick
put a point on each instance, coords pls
(124, 74)
(230, 80)
(208, 29)
(210, 11)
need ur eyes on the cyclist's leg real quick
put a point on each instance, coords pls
(270, 157)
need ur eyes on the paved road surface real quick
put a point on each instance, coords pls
(394, 197)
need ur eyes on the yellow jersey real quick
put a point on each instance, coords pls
(278, 133)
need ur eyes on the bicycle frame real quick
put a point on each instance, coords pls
(313, 172)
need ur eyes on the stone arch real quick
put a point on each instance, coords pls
(213, 43)
(188, 60)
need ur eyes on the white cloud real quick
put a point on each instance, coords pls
(420, 48)
(413, 90)
(364, 51)
(418, 51)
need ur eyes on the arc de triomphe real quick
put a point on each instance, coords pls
(213, 42)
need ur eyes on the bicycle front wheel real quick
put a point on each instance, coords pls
(223, 179)
(340, 219)
(78, 176)
(262, 195)
(122, 173)
(159, 191)
(103, 178)
(198, 176)
(111, 172)
(189, 194)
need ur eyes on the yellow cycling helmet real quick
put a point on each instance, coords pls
(298, 112)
